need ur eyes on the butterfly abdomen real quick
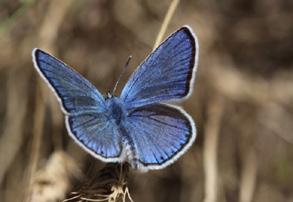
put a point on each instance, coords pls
(117, 113)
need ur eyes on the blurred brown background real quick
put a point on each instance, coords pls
(242, 100)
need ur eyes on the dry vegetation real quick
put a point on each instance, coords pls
(242, 102)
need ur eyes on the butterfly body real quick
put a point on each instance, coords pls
(116, 111)
(137, 126)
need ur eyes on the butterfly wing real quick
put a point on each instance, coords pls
(167, 73)
(160, 134)
(83, 105)
(96, 134)
(74, 92)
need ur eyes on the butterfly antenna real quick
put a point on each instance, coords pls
(123, 71)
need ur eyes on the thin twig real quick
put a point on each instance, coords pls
(36, 140)
(166, 22)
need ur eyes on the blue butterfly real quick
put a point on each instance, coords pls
(138, 126)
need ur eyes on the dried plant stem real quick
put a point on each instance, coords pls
(215, 109)
(248, 177)
(166, 22)
(15, 114)
(47, 36)
(52, 22)
(39, 117)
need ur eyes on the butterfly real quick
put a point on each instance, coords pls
(139, 126)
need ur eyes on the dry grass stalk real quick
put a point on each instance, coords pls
(12, 136)
(166, 22)
(47, 36)
(52, 22)
(248, 177)
(210, 150)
